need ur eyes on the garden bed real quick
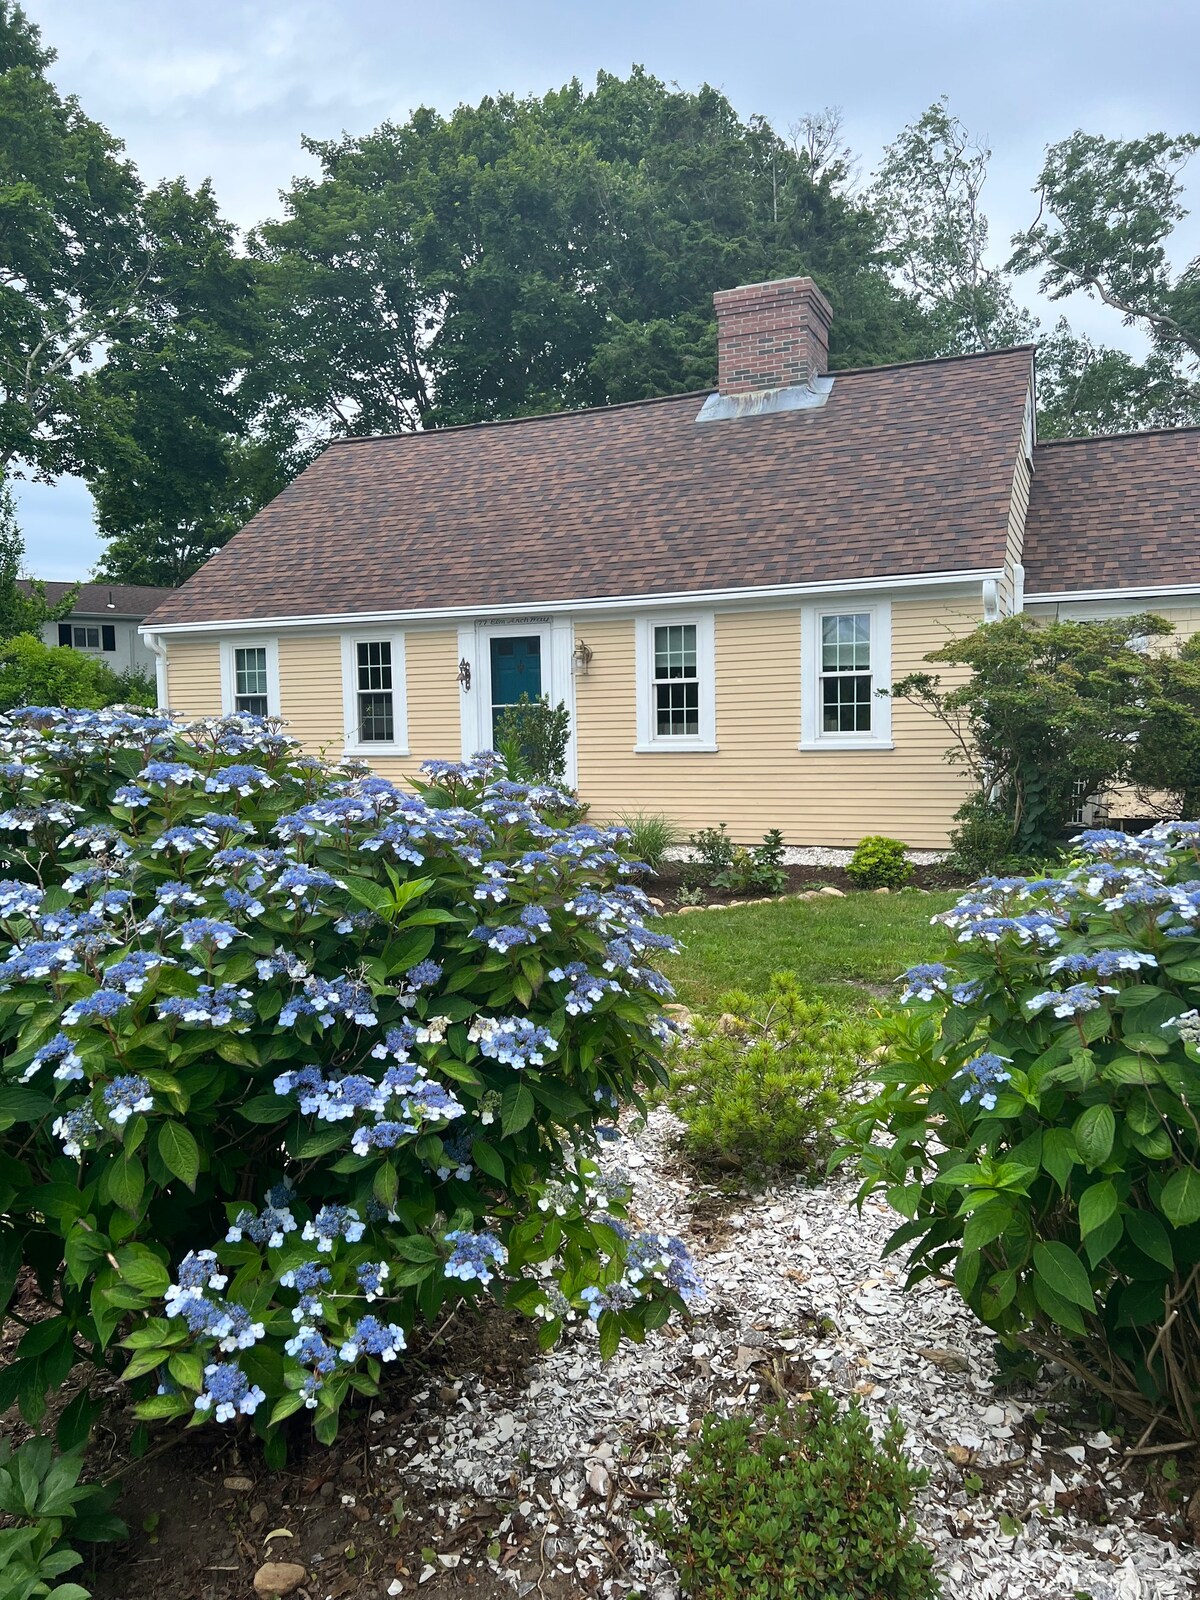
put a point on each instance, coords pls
(487, 1469)
(667, 884)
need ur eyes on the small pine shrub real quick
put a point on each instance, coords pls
(764, 1085)
(808, 1506)
(651, 835)
(880, 863)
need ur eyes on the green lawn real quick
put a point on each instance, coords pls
(848, 950)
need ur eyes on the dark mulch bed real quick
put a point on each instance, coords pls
(201, 1505)
(665, 885)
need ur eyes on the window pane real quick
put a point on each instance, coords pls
(251, 705)
(87, 638)
(375, 719)
(250, 672)
(846, 704)
(677, 707)
(675, 651)
(846, 643)
(375, 665)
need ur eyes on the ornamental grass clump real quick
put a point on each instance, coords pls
(764, 1085)
(293, 1057)
(1038, 1121)
(804, 1505)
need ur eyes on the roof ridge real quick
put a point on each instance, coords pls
(528, 416)
(1129, 433)
(933, 361)
(663, 399)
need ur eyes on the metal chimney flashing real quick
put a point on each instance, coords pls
(766, 402)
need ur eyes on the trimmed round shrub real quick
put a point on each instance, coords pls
(806, 1505)
(296, 1058)
(879, 863)
(1039, 1117)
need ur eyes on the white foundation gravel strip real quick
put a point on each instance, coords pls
(794, 1275)
(815, 855)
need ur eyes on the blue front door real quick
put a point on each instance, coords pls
(516, 670)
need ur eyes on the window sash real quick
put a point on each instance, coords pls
(676, 681)
(250, 695)
(846, 674)
(376, 706)
(84, 638)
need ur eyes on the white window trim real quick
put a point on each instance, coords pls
(229, 674)
(811, 736)
(374, 747)
(649, 740)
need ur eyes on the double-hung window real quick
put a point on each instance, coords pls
(675, 684)
(846, 680)
(250, 677)
(847, 661)
(373, 694)
(376, 708)
(250, 696)
(676, 681)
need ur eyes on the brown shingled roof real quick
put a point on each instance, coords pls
(906, 469)
(1119, 512)
(127, 599)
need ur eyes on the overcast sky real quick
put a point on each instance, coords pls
(225, 88)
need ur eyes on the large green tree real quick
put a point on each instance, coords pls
(526, 255)
(1106, 226)
(928, 193)
(176, 461)
(71, 252)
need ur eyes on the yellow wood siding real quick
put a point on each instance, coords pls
(1017, 511)
(194, 677)
(310, 691)
(759, 779)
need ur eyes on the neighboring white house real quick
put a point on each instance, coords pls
(104, 622)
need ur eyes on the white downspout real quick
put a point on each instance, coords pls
(991, 600)
(154, 640)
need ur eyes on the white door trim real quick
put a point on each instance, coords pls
(557, 636)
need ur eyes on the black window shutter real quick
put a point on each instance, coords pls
(108, 635)
(64, 633)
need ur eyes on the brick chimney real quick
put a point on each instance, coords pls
(771, 335)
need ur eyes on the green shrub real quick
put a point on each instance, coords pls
(532, 736)
(46, 1507)
(33, 673)
(760, 869)
(342, 1035)
(880, 863)
(720, 864)
(983, 840)
(806, 1506)
(651, 835)
(765, 1084)
(713, 852)
(1039, 1117)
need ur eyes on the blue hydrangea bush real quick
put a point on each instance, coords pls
(295, 1059)
(1038, 1120)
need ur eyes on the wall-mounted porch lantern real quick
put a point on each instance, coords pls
(464, 674)
(581, 660)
